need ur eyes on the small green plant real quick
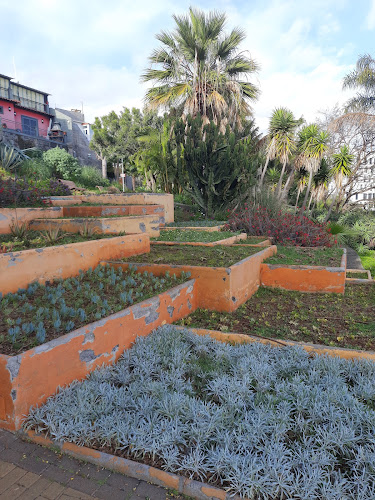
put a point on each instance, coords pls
(19, 230)
(52, 235)
(88, 229)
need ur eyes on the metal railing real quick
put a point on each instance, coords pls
(16, 126)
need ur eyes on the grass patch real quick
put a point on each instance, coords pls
(330, 319)
(368, 260)
(186, 235)
(196, 223)
(41, 313)
(300, 256)
(358, 276)
(218, 256)
(261, 421)
(35, 239)
(252, 240)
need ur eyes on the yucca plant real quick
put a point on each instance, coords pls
(88, 229)
(52, 235)
(19, 230)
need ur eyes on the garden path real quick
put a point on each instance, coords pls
(353, 260)
(29, 471)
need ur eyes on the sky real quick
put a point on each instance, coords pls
(91, 53)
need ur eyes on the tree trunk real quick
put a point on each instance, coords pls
(296, 205)
(104, 167)
(288, 182)
(263, 174)
(133, 182)
(280, 183)
(307, 193)
(311, 197)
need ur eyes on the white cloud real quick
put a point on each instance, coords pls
(370, 20)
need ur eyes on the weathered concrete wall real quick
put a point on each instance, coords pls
(23, 141)
(226, 241)
(148, 224)
(19, 269)
(305, 278)
(102, 211)
(10, 215)
(122, 199)
(31, 377)
(219, 288)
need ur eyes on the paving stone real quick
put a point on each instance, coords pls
(53, 491)
(5, 467)
(92, 471)
(7, 438)
(15, 491)
(106, 492)
(36, 489)
(78, 494)
(33, 464)
(84, 485)
(146, 490)
(28, 479)
(55, 474)
(12, 456)
(11, 478)
(122, 482)
(67, 463)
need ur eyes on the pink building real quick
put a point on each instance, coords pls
(24, 109)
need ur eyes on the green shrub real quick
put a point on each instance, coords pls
(62, 164)
(89, 177)
(35, 169)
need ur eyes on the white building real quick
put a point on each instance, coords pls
(365, 185)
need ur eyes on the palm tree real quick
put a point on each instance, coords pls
(320, 182)
(200, 70)
(302, 178)
(312, 144)
(342, 162)
(362, 78)
(281, 141)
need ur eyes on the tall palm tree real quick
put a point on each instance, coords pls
(281, 144)
(302, 178)
(341, 168)
(312, 145)
(200, 69)
(362, 78)
(320, 182)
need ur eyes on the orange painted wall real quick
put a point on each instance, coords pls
(8, 216)
(164, 199)
(111, 225)
(102, 211)
(18, 269)
(219, 288)
(31, 377)
(303, 279)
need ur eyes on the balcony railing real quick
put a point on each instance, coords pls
(16, 126)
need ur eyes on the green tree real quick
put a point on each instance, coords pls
(341, 168)
(281, 146)
(219, 167)
(62, 164)
(363, 79)
(312, 145)
(199, 68)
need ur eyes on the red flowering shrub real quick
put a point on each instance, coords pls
(28, 193)
(283, 228)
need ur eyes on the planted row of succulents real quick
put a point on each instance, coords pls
(41, 312)
(264, 422)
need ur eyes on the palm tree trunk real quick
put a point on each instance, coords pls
(288, 181)
(296, 205)
(263, 174)
(104, 167)
(311, 197)
(307, 193)
(280, 183)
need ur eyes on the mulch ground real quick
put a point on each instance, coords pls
(332, 319)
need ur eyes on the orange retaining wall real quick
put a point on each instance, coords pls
(305, 278)
(111, 225)
(28, 379)
(19, 269)
(240, 338)
(102, 211)
(218, 288)
(122, 199)
(209, 229)
(227, 241)
(8, 216)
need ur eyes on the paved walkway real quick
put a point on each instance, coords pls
(29, 471)
(353, 260)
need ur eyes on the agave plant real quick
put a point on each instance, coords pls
(11, 157)
(52, 235)
(19, 230)
(88, 229)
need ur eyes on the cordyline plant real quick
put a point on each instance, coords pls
(283, 228)
(267, 423)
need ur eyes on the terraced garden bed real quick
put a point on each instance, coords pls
(301, 256)
(41, 313)
(38, 239)
(181, 235)
(218, 256)
(264, 422)
(330, 319)
(196, 223)
(252, 240)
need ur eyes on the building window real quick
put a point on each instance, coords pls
(365, 196)
(1, 110)
(29, 126)
(356, 196)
